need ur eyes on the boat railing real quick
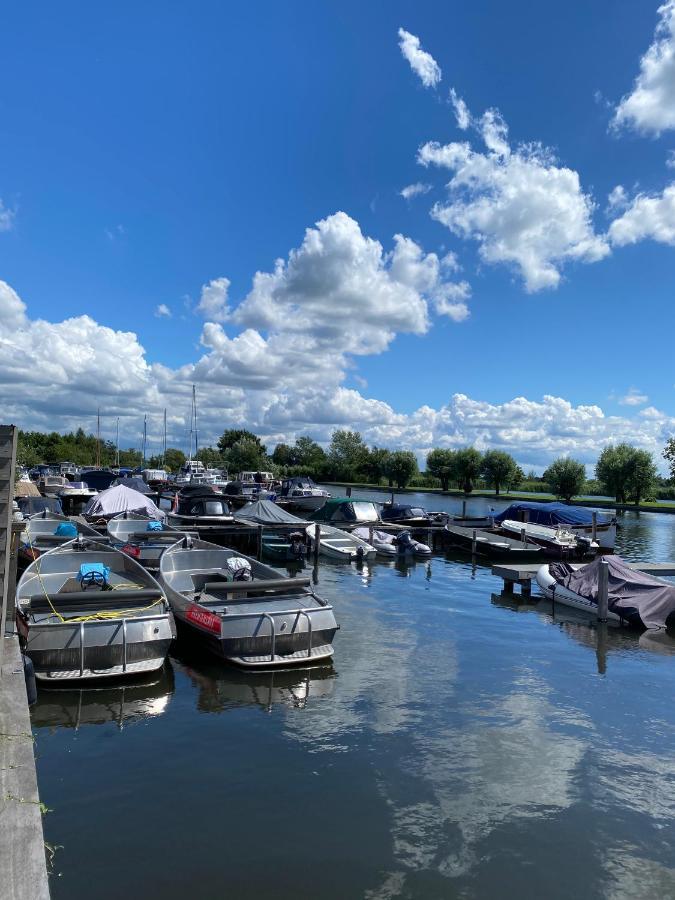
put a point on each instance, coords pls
(122, 625)
(298, 613)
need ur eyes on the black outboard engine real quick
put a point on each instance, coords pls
(298, 548)
(360, 553)
(404, 542)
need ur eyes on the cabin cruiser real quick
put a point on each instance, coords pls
(30, 506)
(85, 610)
(578, 519)
(301, 493)
(76, 490)
(50, 485)
(245, 611)
(198, 506)
(345, 512)
(239, 493)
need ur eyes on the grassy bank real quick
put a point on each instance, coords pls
(645, 506)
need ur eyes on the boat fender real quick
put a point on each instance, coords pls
(29, 676)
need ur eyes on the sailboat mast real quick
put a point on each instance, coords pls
(194, 407)
(145, 436)
(98, 438)
(117, 444)
(164, 450)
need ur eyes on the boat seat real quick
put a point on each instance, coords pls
(269, 584)
(100, 600)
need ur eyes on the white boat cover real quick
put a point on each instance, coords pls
(265, 512)
(118, 499)
(653, 599)
(382, 536)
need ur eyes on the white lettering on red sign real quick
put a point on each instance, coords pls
(204, 618)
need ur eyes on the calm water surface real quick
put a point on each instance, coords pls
(463, 744)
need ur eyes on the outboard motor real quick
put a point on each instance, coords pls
(240, 568)
(297, 549)
(404, 542)
(360, 553)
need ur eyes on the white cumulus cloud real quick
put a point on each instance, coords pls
(415, 190)
(650, 106)
(633, 397)
(6, 217)
(646, 217)
(213, 300)
(422, 63)
(520, 205)
(462, 114)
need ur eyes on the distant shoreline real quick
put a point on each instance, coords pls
(656, 506)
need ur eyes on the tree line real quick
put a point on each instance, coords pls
(622, 471)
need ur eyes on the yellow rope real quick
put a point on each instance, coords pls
(98, 616)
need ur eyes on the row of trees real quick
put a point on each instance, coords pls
(622, 471)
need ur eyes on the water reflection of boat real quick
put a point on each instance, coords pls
(61, 707)
(224, 688)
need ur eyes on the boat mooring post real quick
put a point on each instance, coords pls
(349, 492)
(594, 532)
(259, 544)
(464, 509)
(603, 591)
(317, 541)
(370, 535)
(522, 536)
(473, 543)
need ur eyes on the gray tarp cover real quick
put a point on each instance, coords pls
(264, 512)
(654, 599)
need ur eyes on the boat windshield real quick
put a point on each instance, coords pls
(416, 512)
(365, 512)
(213, 508)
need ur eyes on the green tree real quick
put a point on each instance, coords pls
(669, 455)
(499, 469)
(613, 469)
(400, 467)
(376, 464)
(212, 458)
(284, 455)
(173, 459)
(245, 455)
(310, 456)
(566, 477)
(643, 477)
(441, 464)
(232, 436)
(468, 463)
(347, 454)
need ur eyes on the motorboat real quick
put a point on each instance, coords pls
(339, 544)
(634, 598)
(400, 544)
(76, 490)
(142, 537)
(47, 530)
(85, 610)
(198, 506)
(490, 544)
(50, 485)
(347, 512)
(560, 541)
(245, 611)
(302, 493)
(411, 516)
(239, 493)
(577, 518)
(34, 506)
(283, 535)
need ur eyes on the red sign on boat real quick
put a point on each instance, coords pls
(202, 617)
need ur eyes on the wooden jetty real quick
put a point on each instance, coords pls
(523, 573)
(23, 869)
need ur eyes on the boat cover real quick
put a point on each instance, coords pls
(26, 489)
(653, 599)
(121, 498)
(383, 536)
(264, 512)
(552, 514)
(135, 483)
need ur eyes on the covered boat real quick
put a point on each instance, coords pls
(85, 610)
(119, 499)
(245, 611)
(135, 482)
(283, 534)
(490, 544)
(142, 537)
(339, 544)
(633, 597)
(400, 544)
(577, 518)
(35, 506)
(302, 493)
(560, 541)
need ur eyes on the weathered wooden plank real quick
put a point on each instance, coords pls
(526, 571)
(22, 852)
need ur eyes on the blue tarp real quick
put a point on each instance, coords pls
(153, 525)
(66, 529)
(552, 514)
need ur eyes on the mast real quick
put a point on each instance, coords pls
(164, 450)
(145, 436)
(117, 444)
(98, 438)
(194, 407)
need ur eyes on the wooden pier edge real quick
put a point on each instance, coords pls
(23, 868)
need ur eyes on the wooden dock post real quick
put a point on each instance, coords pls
(464, 509)
(603, 591)
(594, 532)
(392, 498)
(317, 542)
(473, 543)
(522, 536)
(349, 492)
(259, 542)
(370, 535)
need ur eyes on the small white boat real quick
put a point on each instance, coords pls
(400, 544)
(560, 540)
(340, 544)
(76, 490)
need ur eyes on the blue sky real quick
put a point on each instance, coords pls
(147, 152)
